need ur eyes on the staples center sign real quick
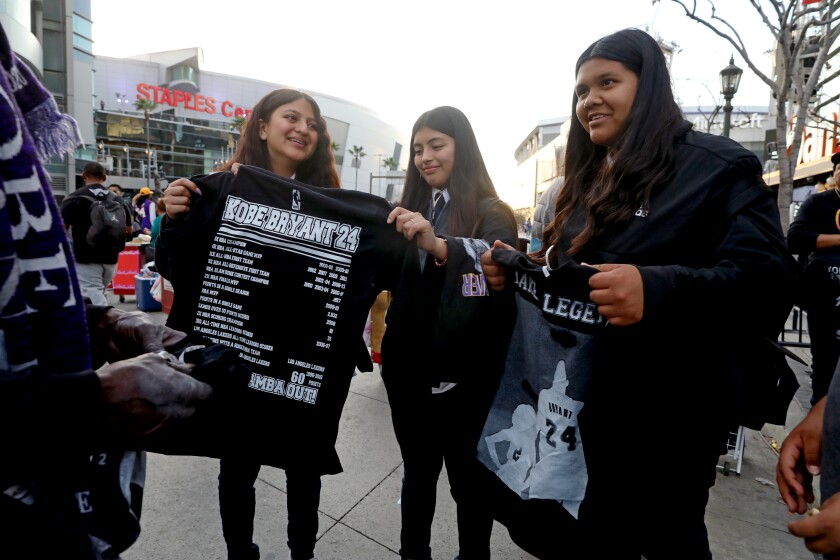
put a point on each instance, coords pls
(189, 101)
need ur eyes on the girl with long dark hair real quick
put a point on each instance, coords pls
(691, 262)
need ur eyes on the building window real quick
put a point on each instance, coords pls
(52, 9)
(53, 51)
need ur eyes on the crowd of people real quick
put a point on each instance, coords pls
(654, 230)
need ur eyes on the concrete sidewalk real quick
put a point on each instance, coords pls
(359, 512)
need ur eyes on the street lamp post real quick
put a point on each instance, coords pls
(730, 77)
(378, 170)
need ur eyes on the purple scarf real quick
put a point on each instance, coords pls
(42, 315)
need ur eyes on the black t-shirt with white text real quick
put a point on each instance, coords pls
(285, 273)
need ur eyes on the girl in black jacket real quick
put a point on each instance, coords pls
(285, 134)
(439, 384)
(691, 262)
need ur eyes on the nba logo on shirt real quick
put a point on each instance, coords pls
(295, 199)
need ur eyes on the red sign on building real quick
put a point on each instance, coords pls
(185, 99)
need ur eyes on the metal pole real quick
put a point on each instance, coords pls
(148, 154)
(380, 156)
(727, 114)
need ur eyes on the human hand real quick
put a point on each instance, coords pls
(131, 333)
(178, 196)
(495, 274)
(142, 393)
(618, 291)
(799, 460)
(821, 531)
(414, 226)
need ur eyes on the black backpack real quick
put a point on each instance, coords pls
(107, 222)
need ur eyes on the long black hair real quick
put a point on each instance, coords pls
(611, 189)
(318, 170)
(469, 182)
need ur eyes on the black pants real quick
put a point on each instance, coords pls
(237, 505)
(432, 430)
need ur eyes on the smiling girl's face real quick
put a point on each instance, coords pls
(434, 156)
(605, 93)
(291, 136)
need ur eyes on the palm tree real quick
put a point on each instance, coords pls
(146, 105)
(390, 163)
(358, 153)
(238, 123)
(336, 148)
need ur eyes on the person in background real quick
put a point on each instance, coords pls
(543, 213)
(285, 134)
(55, 410)
(144, 209)
(675, 250)
(821, 186)
(160, 209)
(95, 265)
(116, 189)
(814, 236)
(437, 387)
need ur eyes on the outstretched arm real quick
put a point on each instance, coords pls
(141, 393)
(414, 226)
(799, 460)
(117, 334)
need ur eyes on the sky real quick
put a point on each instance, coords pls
(506, 64)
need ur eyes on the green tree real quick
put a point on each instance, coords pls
(238, 123)
(147, 106)
(390, 163)
(358, 152)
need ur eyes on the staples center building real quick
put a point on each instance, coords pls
(195, 126)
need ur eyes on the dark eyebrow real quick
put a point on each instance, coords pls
(611, 75)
